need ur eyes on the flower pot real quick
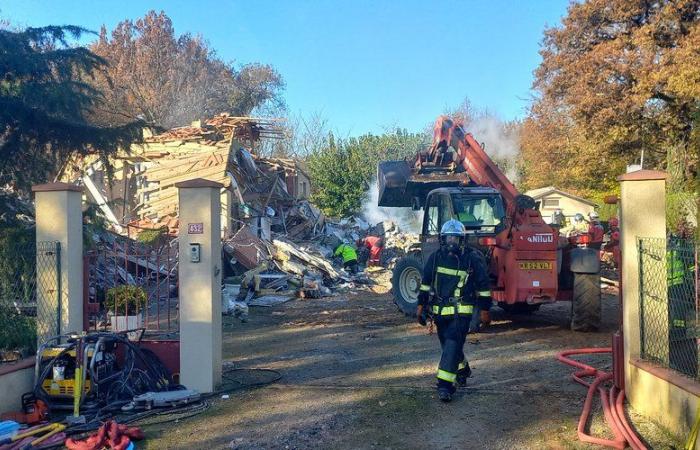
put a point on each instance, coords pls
(124, 323)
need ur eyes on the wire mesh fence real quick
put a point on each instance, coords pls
(30, 293)
(668, 281)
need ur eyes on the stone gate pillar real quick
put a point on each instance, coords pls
(200, 284)
(59, 218)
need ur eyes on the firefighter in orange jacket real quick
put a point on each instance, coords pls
(455, 281)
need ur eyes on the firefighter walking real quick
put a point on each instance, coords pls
(455, 281)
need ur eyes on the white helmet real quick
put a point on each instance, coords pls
(593, 215)
(578, 217)
(453, 227)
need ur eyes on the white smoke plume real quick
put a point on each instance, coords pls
(407, 219)
(500, 140)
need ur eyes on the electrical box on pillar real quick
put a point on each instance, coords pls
(195, 252)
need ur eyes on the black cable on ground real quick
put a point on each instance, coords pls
(174, 413)
(277, 377)
(141, 372)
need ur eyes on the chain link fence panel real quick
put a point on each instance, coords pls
(668, 303)
(29, 294)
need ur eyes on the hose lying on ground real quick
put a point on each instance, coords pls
(611, 399)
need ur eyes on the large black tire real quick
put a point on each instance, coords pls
(585, 307)
(405, 283)
(518, 308)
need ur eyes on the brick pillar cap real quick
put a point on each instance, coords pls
(643, 175)
(56, 187)
(199, 183)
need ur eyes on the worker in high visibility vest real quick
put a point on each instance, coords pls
(680, 279)
(454, 282)
(349, 255)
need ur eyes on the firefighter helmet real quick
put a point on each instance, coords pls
(453, 227)
(452, 235)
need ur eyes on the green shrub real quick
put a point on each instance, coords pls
(153, 237)
(121, 299)
(681, 212)
(17, 332)
(17, 264)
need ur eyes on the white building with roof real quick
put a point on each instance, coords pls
(550, 199)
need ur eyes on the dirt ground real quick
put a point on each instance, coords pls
(357, 374)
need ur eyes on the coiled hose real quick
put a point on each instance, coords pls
(612, 400)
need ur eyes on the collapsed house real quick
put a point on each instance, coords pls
(141, 193)
(273, 238)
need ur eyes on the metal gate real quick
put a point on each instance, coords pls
(126, 278)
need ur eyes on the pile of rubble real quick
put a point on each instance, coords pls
(276, 241)
(264, 272)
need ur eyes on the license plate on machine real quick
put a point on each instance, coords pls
(535, 265)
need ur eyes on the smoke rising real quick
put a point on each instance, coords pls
(501, 141)
(407, 219)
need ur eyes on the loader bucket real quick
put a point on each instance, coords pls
(392, 177)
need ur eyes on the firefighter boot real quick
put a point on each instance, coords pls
(444, 395)
(445, 391)
(463, 373)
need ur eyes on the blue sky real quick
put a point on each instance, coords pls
(364, 65)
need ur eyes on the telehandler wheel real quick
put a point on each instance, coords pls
(585, 307)
(405, 283)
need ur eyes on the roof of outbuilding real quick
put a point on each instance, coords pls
(541, 192)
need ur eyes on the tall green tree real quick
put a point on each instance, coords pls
(343, 170)
(46, 100)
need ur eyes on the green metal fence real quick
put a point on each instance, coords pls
(669, 303)
(30, 292)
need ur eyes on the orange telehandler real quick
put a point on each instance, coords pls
(529, 262)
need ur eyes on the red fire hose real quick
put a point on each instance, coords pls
(611, 399)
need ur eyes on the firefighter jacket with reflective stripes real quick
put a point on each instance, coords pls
(458, 282)
(678, 274)
(348, 252)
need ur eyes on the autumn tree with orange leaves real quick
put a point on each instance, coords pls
(170, 80)
(617, 77)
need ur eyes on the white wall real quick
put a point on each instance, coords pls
(569, 206)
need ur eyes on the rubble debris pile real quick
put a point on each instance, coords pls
(275, 242)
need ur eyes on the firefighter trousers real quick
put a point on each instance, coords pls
(452, 332)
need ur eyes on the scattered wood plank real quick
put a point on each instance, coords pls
(308, 258)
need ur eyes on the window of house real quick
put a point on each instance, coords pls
(551, 202)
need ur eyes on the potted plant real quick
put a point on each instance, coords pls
(125, 304)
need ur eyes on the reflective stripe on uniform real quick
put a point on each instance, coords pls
(453, 272)
(462, 274)
(425, 287)
(450, 310)
(458, 290)
(462, 366)
(484, 293)
(447, 376)
(679, 323)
